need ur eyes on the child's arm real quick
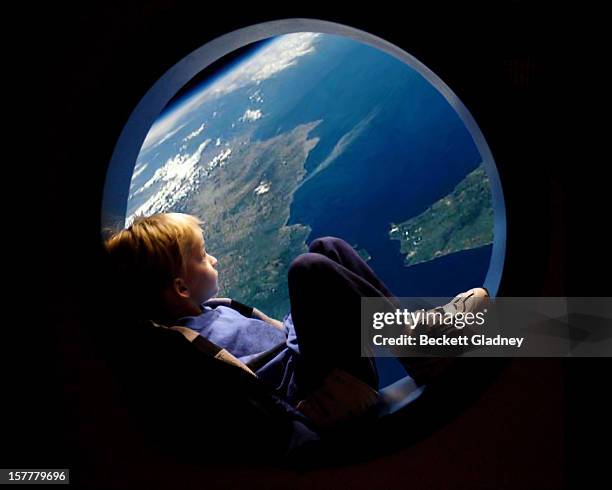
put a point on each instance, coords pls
(259, 315)
(262, 316)
(214, 302)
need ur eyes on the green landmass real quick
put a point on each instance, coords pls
(461, 220)
(245, 206)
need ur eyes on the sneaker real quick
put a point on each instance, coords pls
(425, 370)
(473, 300)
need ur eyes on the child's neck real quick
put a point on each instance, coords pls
(180, 311)
(192, 309)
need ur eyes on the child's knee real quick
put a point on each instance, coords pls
(309, 263)
(325, 243)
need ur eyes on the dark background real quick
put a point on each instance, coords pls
(526, 73)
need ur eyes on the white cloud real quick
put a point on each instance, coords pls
(195, 133)
(256, 96)
(160, 131)
(262, 188)
(220, 160)
(139, 169)
(176, 178)
(251, 115)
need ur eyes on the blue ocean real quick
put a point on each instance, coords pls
(414, 151)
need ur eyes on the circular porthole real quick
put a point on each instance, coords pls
(314, 129)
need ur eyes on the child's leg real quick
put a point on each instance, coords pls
(325, 289)
(325, 300)
(342, 253)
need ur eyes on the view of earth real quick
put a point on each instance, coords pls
(311, 135)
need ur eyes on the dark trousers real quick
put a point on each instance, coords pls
(325, 289)
(326, 285)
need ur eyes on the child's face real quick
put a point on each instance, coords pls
(201, 275)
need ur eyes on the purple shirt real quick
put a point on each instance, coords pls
(246, 338)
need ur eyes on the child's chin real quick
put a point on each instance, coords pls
(213, 294)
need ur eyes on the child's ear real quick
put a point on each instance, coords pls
(180, 287)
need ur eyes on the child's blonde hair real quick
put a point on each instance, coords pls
(147, 255)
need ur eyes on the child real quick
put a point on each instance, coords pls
(172, 277)
(315, 365)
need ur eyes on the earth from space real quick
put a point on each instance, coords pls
(309, 135)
